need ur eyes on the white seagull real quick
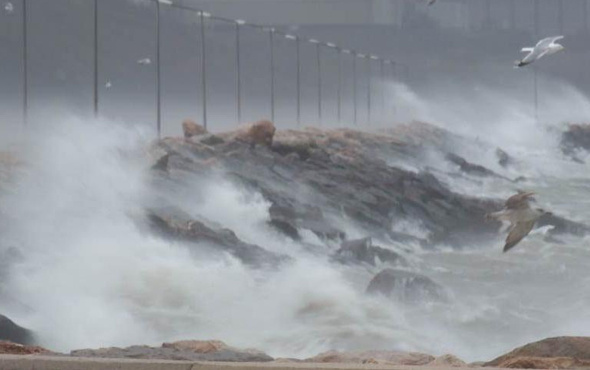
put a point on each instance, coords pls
(521, 216)
(8, 8)
(144, 61)
(547, 46)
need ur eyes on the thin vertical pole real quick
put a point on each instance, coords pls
(158, 73)
(339, 92)
(394, 80)
(203, 70)
(319, 63)
(536, 94)
(272, 75)
(560, 15)
(238, 75)
(354, 87)
(535, 83)
(298, 43)
(95, 58)
(382, 83)
(25, 67)
(369, 90)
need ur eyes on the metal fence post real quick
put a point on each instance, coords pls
(25, 66)
(298, 42)
(239, 23)
(382, 83)
(95, 92)
(319, 66)
(158, 72)
(272, 75)
(354, 87)
(369, 103)
(339, 93)
(203, 69)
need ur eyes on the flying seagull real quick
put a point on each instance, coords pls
(521, 216)
(8, 7)
(547, 46)
(144, 61)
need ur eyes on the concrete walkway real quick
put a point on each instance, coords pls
(33, 362)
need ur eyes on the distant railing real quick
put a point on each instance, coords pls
(342, 94)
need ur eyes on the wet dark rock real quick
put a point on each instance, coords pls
(363, 251)
(315, 179)
(575, 138)
(470, 168)
(406, 287)
(562, 226)
(212, 140)
(176, 225)
(504, 159)
(180, 351)
(162, 163)
(289, 221)
(11, 332)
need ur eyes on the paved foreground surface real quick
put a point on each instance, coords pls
(15, 362)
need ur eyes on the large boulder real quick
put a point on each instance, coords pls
(289, 220)
(558, 352)
(575, 138)
(257, 133)
(190, 128)
(406, 287)
(9, 331)
(373, 357)
(174, 224)
(471, 168)
(363, 251)
(183, 350)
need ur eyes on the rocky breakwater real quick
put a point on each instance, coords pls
(315, 179)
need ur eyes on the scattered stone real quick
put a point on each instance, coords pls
(406, 287)
(190, 128)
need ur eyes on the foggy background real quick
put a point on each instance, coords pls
(463, 46)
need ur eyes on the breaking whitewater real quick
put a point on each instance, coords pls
(296, 242)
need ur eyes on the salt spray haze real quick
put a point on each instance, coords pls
(90, 276)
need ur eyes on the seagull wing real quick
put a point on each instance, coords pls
(544, 44)
(517, 233)
(520, 200)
